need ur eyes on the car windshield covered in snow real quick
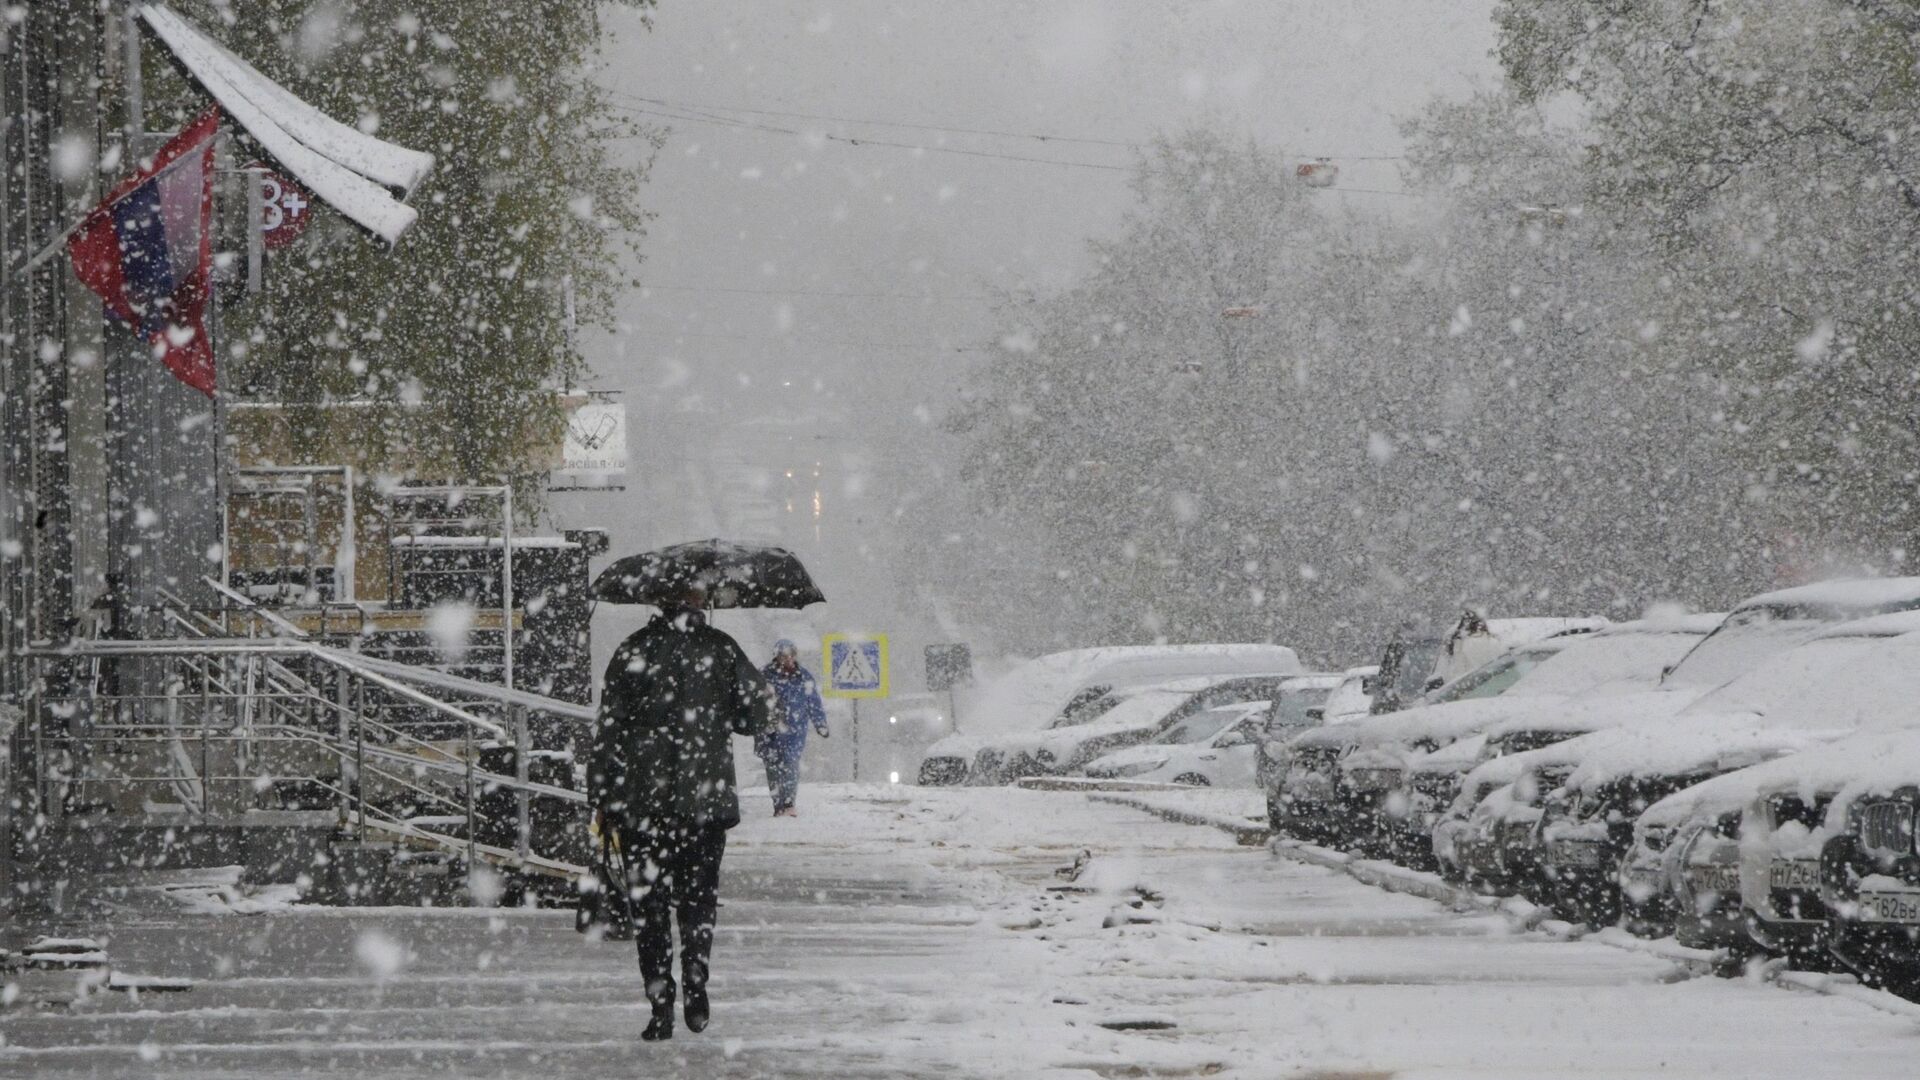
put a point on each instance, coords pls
(1492, 678)
(1620, 658)
(1203, 726)
(1775, 622)
(1298, 705)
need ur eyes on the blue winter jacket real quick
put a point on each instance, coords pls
(797, 707)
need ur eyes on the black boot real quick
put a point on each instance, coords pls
(698, 1009)
(661, 998)
(661, 1026)
(693, 979)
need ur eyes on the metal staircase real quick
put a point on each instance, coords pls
(212, 730)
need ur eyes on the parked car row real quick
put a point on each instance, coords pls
(1057, 713)
(1749, 783)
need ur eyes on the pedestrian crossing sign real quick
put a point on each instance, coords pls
(856, 665)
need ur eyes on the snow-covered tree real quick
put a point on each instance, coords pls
(463, 323)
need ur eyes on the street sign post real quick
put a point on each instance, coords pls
(950, 666)
(857, 667)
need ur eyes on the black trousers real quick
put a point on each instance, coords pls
(674, 873)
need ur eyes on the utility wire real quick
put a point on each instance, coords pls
(818, 292)
(729, 122)
(924, 346)
(1037, 136)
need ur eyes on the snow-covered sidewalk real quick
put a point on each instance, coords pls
(899, 931)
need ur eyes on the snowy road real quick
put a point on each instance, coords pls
(910, 932)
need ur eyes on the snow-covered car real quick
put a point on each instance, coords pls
(1352, 698)
(1549, 703)
(1213, 748)
(1847, 678)
(1787, 827)
(1870, 880)
(1139, 714)
(1739, 856)
(1078, 684)
(1300, 704)
(1588, 825)
(1310, 792)
(1867, 854)
(1414, 664)
(1493, 838)
(1756, 631)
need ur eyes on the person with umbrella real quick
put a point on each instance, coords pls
(797, 697)
(661, 774)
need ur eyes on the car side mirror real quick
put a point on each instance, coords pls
(1316, 714)
(1436, 683)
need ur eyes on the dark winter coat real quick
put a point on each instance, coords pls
(797, 707)
(675, 695)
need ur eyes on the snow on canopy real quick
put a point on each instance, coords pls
(284, 134)
(395, 167)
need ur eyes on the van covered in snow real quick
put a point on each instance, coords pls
(1079, 685)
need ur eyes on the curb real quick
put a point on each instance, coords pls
(1524, 916)
(1247, 834)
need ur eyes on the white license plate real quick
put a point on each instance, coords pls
(1724, 880)
(1794, 875)
(1583, 855)
(1890, 907)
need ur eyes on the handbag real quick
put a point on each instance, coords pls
(604, 901)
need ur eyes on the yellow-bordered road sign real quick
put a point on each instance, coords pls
(856, 665)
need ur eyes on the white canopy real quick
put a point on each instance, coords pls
(348, 170)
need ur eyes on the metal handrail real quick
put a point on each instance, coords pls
(346, 661)
(251, 691)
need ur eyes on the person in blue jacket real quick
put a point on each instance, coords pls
(797, 706)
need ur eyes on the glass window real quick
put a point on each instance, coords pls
(1491, 679)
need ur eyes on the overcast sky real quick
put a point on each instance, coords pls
(755, 226)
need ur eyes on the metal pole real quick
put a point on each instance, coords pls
(856, 740)
(347, 557)
(136, 86)
(222, 147)
(206, 723)
(473, 823)
(506, 577)
(523, 841)
(256, 233)
(360, 754)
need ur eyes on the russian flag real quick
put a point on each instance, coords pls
(147, 252)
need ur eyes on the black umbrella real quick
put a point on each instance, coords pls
(733, 575)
